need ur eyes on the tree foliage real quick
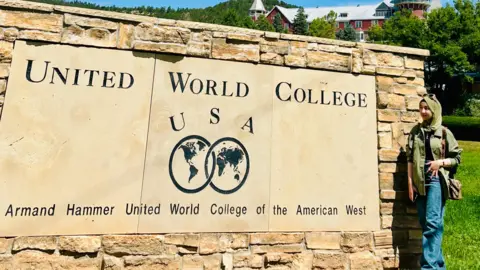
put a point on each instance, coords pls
(324, 27)
(277, 23)
(348, 33)
(263, 24)
(300, 25)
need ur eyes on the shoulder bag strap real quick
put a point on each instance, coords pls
(444, 134)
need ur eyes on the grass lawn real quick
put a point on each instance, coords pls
(462, 218)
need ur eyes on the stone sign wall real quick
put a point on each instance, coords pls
(132, 142)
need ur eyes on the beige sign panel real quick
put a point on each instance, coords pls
(72, 139)
(98, 141)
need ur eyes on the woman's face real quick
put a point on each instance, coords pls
(425, 111)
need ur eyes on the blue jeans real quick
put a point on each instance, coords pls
(431, 210)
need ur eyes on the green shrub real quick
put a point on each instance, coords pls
(464, 128)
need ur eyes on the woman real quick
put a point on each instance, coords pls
(428, 175)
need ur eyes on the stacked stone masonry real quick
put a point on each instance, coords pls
(399, 86)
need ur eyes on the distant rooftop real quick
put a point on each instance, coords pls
(257, 6)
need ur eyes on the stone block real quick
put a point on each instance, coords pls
(272, 35)
(410, 74)
(79, 244)
(385, 140)
(312, 46)
(389, 59)
(384, 127)
(46, 243)
(418, 81)
(414, 63)
(356, 242)
(136, 245)
(205, 36)
(413, 103)
(244, 38)
(420, 74)
(388, 115)
(186, 240)
(33, 259)
(112, 263)
(126, 36)
(214, 243)
(40, 36)
(89, 22)
(396, 102)
(278, 258)
(386, 180)
(298, 48)
(390, 71)
(6, 50)
(292, 248)
(387, 222)
(393, 195)
(368, 70)
(323, 240)
(357, 63)
(200, 49)
(401, 80)
(30, 20)
(212, 262)
(326, 48)
(252, 261)
(343, 50)
(276, 238)
(384, 83)
(382, 100)
(227, 261)
(330, 260)
(164, 34)
(272, 58)
(92, 37)
(302, 261)
(71, 263)
(238, 52)
(10, 34)
(404, 89)
(5, 243)
(295, 61)
(160, 47)
(279, 47)
(6, 262)
(389, 167)
(329, 61)
(369, 58)
(192, 262)
(26, 5)
(389, 155)
(153, 262)
(410, 117)
(365, 261)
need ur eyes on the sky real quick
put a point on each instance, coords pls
(206, 3)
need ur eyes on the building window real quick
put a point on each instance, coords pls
(343, 15)
(358, 24)
(383, 13)
(374, 22)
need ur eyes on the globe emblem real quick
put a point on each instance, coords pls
(195, 164)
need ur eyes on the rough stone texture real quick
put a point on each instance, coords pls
(329, 261)
(243, 37)
(10, 34)
(252, 261)
(39, 35)
(272, 58)
(136, 245)
(153, 262)
(112, 15)
(276, 238)
(295, 61)
(201, 49)
(385, 140)
(298, 48)
(213, 243)
(272, 35)
(212, 262)
(26, 5)
(188, 240)
(166, 34)
(388, 115)
(5, 243)
(6, 50)
(410, 117)
(94, 37)
(89, 22)
(369, 58)
(329, 61)
(30, 20)
(323, 240)
(384, 127)
(390, 71)
(160, 47)
(399, 138)
(395, 49)
(414, 63)
(239, 52)
(357, 63)
(46, 243)
(292, 248)
(364, 261)
(192, 262)
(384, 83)
(404, 89)
(3, 86)
(356, 242)
(389, 59)
(112, 263)
(126, 36)
(6, 262)
(302, 261)
(80, 244)
(278, 47)
(389, 154)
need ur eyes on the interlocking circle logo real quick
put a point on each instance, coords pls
(195, 163)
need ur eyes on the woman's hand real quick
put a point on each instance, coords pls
(411, 191)
(434, 167)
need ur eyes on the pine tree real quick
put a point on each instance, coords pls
(277, 23)
(300, 25)
(263, 24)
(348, 33)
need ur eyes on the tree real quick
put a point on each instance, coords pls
(324, 27)
(231, 18)
(347, 33)
(277, 23)
(263, 24)
(300, 25)
(375, 34)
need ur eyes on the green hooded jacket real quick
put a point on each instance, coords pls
(416, 148)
